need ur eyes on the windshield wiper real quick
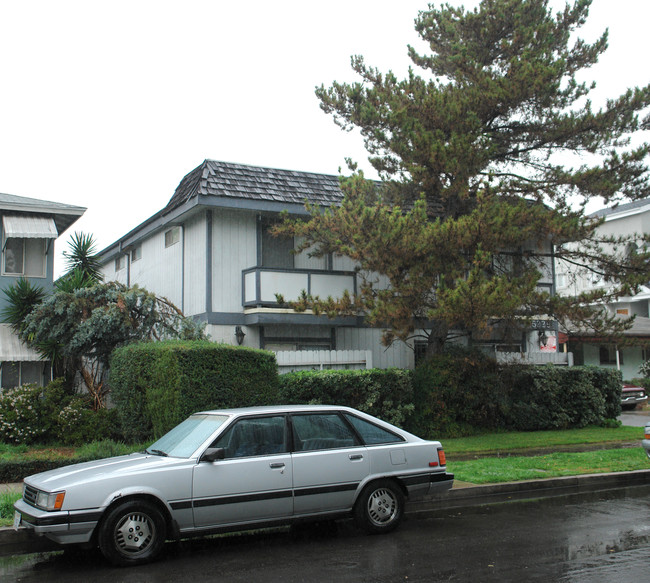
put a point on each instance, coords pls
(157, 452)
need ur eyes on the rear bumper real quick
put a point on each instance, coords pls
(440, 483)
(429, 483)
(60, 527)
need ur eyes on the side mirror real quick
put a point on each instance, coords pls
(212, 454)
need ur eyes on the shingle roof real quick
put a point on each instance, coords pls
(630, 206)
(225, 179)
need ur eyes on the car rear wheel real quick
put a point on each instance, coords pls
(380, 507)
(133, 532)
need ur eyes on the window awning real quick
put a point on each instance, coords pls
(12, 349)
(28, 227)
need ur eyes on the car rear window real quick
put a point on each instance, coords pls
(371, 433)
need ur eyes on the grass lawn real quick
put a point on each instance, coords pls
(512, 469)
(500, 442)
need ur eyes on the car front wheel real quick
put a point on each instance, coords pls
(380, 507)
(132, 533)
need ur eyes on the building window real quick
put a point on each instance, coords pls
(14, 374)
(608, 355)
(136, 253)
(172, 236)
(24, 257)
(120, 262)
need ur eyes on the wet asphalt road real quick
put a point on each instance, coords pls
(585, 539)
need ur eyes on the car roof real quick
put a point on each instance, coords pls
(276, 409)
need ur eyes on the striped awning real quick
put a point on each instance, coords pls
(12, 349)
(28, 227)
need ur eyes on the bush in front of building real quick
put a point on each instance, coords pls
(551, 397)
(460, 392)
(50, 414)
(155, 385)
(457, 392)
(387, 394)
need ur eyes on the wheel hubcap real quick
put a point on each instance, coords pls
(134, 533)
(382, 506)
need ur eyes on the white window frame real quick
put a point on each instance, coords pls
(172, 236)
(136, 253)
(42, 254)
(120, 263)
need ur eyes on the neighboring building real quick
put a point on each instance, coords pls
(209, 252)
(28, 230)
(587, 347)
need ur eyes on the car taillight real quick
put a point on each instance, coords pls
(442, 459)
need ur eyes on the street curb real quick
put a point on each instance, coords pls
(24, 542)
(529, 490)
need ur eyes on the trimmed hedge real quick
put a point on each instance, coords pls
(156, 385)
(387, 394)
(461, 393)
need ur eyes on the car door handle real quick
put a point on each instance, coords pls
(276, 465)
(355, 456)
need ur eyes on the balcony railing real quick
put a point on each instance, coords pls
(261, 284)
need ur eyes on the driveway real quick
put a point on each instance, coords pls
(636, 417)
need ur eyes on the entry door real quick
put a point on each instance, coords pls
(253, 483)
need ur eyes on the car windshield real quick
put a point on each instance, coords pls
(184, 439)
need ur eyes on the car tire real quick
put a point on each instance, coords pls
(380, 507)
(132, 533)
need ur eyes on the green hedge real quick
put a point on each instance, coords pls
(460, 393)
(155, 385)
(387, 394)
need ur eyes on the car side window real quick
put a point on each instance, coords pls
(321, 431)
(254, 436)
(371, 433)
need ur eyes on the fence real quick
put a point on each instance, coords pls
(323, 360)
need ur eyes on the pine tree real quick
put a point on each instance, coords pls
(488, 157)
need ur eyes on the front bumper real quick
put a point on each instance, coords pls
(63, 527)
(632, 400)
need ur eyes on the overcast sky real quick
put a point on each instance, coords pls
(107, 105)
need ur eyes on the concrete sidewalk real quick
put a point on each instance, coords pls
(461, 496)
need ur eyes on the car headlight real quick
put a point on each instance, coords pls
(50, 501)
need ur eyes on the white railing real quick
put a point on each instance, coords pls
(558, 358)
(260, 285)
(323, 360)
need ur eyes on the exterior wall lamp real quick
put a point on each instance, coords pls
(239, 334)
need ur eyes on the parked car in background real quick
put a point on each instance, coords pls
(632, 395)
(236, 469)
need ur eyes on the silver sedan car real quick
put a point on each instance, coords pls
(221, 471)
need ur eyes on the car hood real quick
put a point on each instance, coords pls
(114, 467)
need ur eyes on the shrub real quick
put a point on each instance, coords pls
(461, 392)
(458, 392)
(387, 394)
(549, 397)
(31, 413)
(155, 385)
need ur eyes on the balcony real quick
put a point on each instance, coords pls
(261, 284)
